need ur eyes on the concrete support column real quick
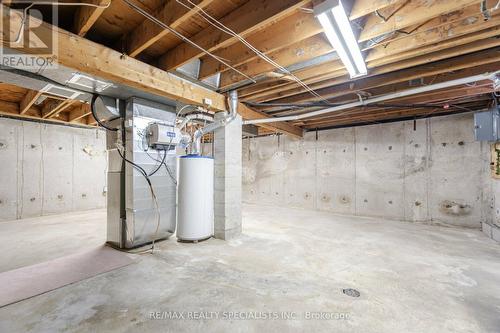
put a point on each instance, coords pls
(227, 166)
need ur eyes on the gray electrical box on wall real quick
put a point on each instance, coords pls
(487, 125)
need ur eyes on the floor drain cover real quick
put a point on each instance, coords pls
(351, 292)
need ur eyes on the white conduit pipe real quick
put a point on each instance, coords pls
(414, 91)
(233, 105)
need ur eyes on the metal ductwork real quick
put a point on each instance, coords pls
(233, 106)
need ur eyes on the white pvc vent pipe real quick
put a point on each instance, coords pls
(409, 92)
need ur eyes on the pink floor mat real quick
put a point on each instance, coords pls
(26, 282)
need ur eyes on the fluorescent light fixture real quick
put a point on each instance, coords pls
(333, 18)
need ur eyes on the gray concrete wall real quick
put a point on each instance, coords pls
(437, 172)
(227, 179)
(49, 169)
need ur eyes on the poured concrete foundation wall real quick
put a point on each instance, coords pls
(49, 169)
(435, 172)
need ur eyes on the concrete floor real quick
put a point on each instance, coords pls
(412, 277)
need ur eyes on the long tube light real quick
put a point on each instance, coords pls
(333, 18)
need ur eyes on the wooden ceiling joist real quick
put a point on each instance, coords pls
(465, 24)
(474, 103)
(147, 33)
(86, 16)
(364, 7)
(428, 74)
(402, 40)
(250, 17)
(271, 94)
(314, 46)
(91, 58)
(52, 108)
(413, 13)
(283, 33)
(28, 100)
(464, 16)
(79, 112)
(446, 49)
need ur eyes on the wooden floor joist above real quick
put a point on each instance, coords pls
(405, 43)
(91, 58)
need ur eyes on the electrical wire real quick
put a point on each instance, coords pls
(217, 24)
(135, 166)
(159, 165)
(182, 37)
(153, 194)
(166, 167)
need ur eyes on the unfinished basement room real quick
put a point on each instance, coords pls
(250, 166)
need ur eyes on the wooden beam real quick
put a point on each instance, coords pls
(307, 49)
(94, 59)
(28, 100)
(147, 33)
(365, 7)
(79, 112)
(280, 34)
(86, 16)
(412, 13)
(248, 113)
(244, 20)
(91, 58)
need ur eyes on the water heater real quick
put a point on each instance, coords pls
(195, 219)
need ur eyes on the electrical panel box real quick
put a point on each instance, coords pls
(487, 125)
(163, 135)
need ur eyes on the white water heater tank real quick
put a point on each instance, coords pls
(195, 219)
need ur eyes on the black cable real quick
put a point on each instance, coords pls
(161, 163)
(92, 109)
(174, 180)
(137, 167)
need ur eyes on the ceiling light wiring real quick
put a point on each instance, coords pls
(214, 22)
(182, 37)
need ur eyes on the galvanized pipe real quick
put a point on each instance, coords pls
(233, 106)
